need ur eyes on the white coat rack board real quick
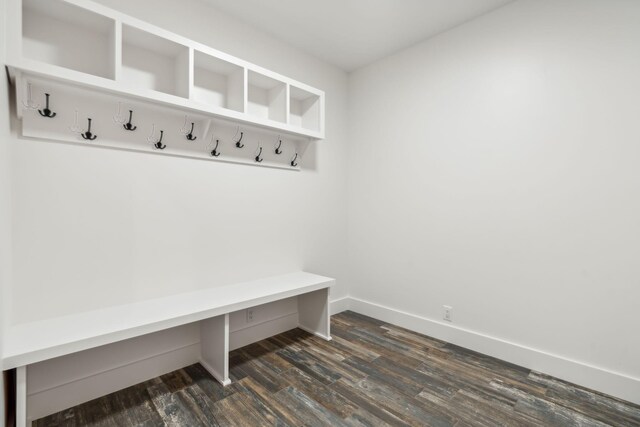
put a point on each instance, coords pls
(89, 75)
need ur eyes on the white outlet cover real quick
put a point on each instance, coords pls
(448, 313)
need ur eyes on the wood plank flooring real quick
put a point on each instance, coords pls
(371, 374)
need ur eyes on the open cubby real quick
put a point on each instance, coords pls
(58, 33)
(267, 97)
(79, 42)
(155, 63)
(217, 82)
(304, 109)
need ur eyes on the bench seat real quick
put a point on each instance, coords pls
(34, 342)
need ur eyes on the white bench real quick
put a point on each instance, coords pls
(34, 342)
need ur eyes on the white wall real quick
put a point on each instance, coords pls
(494, 168)
(5, 205)
(80, 215)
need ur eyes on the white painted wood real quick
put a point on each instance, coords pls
(133, 22)
(77, 390)
(56, 384)
(36, 341)
(339, 305)
(218, 83)
(313, 313)
(146, 63)
(304, 109)
(245, 88)
(236, 90)
(214, 347)
(154, 63)
(21, 396)
(322, 113)
(257, 332)
(238, 320)
(267, 320)
(58, 33)
(278, 103)
(267, 97)
(53, 373)
(184, 72)
(20, 91)
(288, 104)
(79, 79)
(116, 51)
(111, 135)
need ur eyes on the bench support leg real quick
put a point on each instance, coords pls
(313, 313)
(214, 343)
(21, 396)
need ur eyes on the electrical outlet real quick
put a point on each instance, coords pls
(448, 313)
(249, 315)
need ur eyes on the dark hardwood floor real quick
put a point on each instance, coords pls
(371, 374)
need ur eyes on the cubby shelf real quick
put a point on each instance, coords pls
(304, 109)
(86, 44)
(267, 97)
(154, 63)
(217, 82)
(68, 36)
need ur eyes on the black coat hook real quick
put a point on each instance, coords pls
(46, 112)
(278, 150)
(190, 136)
(88, 135)
(128, 125)
(215, 152)
(258, 158)
(158, 144)
(238, 141)
(293, 162)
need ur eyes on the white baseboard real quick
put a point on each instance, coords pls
(339, 305)
(581, 373)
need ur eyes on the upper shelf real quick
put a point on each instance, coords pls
(85, 43)
(61, 34)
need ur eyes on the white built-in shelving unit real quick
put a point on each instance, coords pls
(86, 45)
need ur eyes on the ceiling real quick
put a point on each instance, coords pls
(354, 33)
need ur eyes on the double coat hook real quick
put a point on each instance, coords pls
(278, 150)
(258, 158)
(238, 144)
(88, 135)
(158, 144)
(215, 152)
(190, 136)
(293, 162)
(46, 112)
(128, 125)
